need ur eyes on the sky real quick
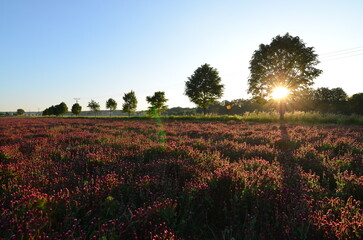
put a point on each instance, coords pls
(56, 51)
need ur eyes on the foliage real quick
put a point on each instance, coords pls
(94, 106)
(180, 111)
(286, 62)
(157, 102)
(111, 104)
(330, 100)
(61, 109)
(130, 103)
(73, 179)
(20, 112)
(57, 110)
(76, 109)
(49, 111)
(356, 103)
(204, 86)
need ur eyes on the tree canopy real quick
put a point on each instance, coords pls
(61, 109)
(130, 103)
(20, 112)
(157, 102)
(76, 109)
(94, 106)
(285, 62)
(204, 86)
(57, 110)
(111, 104)
(356, 103)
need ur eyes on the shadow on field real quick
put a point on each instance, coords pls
(294, 200)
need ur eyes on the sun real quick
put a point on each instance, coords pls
(280, 93)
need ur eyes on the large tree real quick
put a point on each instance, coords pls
(76, 109)
(157, 102)
(285, 62)
(130, 103)
(94, 106)
(111, 104)
(204, 86)
(61, 109)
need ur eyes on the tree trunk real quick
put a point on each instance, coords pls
(282, 109)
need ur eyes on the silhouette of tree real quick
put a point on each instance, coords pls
(286, 62)
(330, 100)
(130, 103)
(204, 86)
(356, 103)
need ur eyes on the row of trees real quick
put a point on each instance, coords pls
(57, 110)
(284, 63)
(129, 106)
(157, 103)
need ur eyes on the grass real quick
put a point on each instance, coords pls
(260, 117)
(273, 117)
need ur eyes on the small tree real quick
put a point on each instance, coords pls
(94, 106)
(157, 102)
(204, 86)
(20, 112)
(76, 109)
(130, 103)
(286, 62)
(111, 104)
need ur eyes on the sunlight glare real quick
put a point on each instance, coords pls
(280, 92)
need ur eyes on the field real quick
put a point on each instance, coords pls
(147, 179)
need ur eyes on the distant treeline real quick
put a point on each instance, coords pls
(323, 100)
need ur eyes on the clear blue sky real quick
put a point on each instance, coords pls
(54, 51)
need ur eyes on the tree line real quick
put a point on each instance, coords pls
(284, 63)
(323, 100)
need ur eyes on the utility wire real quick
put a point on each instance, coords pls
(343, 53)
(348, 49)
(331, 59)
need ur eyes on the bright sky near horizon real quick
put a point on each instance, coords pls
(54, 51)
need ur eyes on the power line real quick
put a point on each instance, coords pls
(344, 50)
(331, 59)
(343, 53)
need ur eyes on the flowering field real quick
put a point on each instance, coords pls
(143, 179)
